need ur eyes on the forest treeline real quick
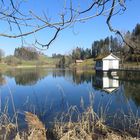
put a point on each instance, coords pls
(26, 53)
(21, 54)
(128, 51)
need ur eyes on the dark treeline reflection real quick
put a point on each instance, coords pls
(132, 91)
(76, 76)
(81, 77)
(131, 84)
(2, 79)
(129, 76)
(26, 76)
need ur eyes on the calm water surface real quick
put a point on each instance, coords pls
(49, 92)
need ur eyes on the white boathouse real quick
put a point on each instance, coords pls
(107, 62)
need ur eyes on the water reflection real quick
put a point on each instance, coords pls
(133, 76)
(99, 81)
(80, 76)
(2, 79)
(26, 76)
(53, 90)
(132, 92)
(130, 80)
(106, 83)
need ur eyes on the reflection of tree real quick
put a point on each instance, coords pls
(58, 73)
(97, 82)
(2, 80)
(129, 75)
(130, 80)
(29, 78)
(77, 77)
(81, 76)
(132, 91)
(26, 76)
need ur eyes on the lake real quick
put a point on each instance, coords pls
(49, 92)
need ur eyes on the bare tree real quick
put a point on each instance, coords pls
(70, 13)
(134, 42)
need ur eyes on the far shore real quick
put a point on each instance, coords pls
(34, 66)
(87, 64)
(4, 67)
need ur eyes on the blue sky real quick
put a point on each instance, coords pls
(81, 34)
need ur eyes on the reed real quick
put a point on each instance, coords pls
(73, 124)
(88, 125)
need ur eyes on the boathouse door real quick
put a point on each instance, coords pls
(110, 64)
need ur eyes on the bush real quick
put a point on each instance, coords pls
(11, 60)
(26, 53)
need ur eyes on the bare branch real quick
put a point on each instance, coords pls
(114, 30)
(69, 16)
(48, 44)
(24, 34)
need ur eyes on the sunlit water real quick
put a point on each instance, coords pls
(49, 92)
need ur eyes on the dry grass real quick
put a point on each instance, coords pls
(7, 129)
(71, 125)
(36, 129)
(128, 123)
(87, 127)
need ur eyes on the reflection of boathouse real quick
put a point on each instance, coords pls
(105, 83)
(107, 62)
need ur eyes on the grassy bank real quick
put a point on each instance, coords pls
(130, 65)
(86, 64)
(90, 64)
(43, 61)
(4, 67)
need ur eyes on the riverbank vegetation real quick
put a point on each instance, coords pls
(87, 125)
(27, 57)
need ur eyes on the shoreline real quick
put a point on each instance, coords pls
(5, 66)
(87, 65)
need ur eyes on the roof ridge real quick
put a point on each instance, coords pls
(102, 56)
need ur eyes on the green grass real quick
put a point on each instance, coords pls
(3, 66)
(86, 64)
(49, 60)
(131, 64)
(89, 62)
(42, 61)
